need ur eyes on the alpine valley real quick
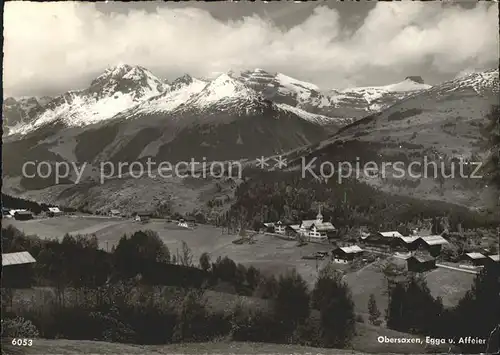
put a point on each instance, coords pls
(128, 114)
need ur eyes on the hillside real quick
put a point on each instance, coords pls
(348, 104)
(442, 124)
(190, 119)
(63, 346)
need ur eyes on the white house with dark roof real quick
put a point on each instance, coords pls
(54, 211)
(316, 229)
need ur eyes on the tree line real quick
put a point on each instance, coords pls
(118, 296)
(288, 197)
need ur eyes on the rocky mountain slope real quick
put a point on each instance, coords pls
(190, 119)
(349, 104)
(22, 110)
(117, 89)
(443, 124)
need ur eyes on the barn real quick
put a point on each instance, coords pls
(143, 216)
(476, 259)
(420, 263)
(406, 243)
(54, 211)
(345, 254)
(431, 243)
(23, 215)
(382, 238)
(17, 270)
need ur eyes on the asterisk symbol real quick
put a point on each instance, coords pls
(262, 162)
(280, 162)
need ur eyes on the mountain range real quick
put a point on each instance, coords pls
(128, 114)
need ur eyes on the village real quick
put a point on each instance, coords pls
(420, 249)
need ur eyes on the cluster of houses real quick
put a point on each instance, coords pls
(422, 250)
(479, 259)
(313, 230)
(395, 240)
(24, 214)
(19, 214)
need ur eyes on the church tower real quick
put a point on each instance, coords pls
(319, 217)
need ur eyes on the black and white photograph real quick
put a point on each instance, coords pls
(250, 177)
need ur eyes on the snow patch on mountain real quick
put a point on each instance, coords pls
(373, 93)
(477, 81)
(314, 118)
(117, 89)
(179, 93)
(222, 90)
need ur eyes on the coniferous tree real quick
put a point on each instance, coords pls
(373, 310)
(292, 301)
(332, 297)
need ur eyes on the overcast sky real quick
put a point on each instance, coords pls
(54, 47)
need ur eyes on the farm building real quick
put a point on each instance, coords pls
(494, 258)
(143, 216)
(17, 269)
(476, 259)
(345, 254)
(182, 223)
(23, 215)
(54, 211)
(431, 243)
(420, 263)
(114, 213)
(407, 243)
(292, 230)
(384, 238)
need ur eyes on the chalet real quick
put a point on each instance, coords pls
(476, 259)
(54, 211)
(114, 213)
(384, 238)
(420, 263)
(406, 243)
(23, 215)
(143, 216)
(182, 223)
(321, 231)
(494, 258)
(345, 254)
(279, 227)
(17, 269)
(317, 229)
(431, 243)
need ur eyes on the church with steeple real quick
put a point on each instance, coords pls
(317, 229)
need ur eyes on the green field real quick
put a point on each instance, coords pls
(364, 342)
(269, 254)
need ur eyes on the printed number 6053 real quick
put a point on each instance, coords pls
(22, 342)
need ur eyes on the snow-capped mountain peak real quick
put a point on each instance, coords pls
(223, 89)
(180, 91)
(124, 78)
(477, 81)
(117, 89)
